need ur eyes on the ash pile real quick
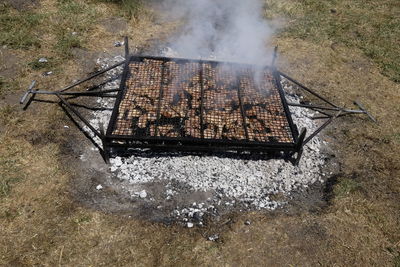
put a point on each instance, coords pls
(191, 188)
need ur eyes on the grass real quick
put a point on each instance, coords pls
(9, 175)
(74, 20)
(7, 86)
(10, 165)
(371, 26)
(50, 64)
(66, 42)
(397, 261)
(18, 29)
(345, 187)
(129, 8)
(4, 86)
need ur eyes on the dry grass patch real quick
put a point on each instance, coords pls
(366, 193)
(371, 26)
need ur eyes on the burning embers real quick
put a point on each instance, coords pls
(203, 100)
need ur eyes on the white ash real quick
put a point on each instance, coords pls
(232, 181)
(142, 194)
(250, 182)
(47, 73)
(42, 60)
(101, 118)
(213, 237)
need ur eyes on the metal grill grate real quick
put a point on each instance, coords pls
(185, 99)
(191, 105)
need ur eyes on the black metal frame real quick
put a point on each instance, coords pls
(110, 141)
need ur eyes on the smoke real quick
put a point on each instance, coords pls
(228, 30)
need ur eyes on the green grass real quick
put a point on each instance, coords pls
(345, 187)
(370, 25)
(74, 22)
(66, 43)
(18, 28)
(129, 8)
(50, 64)
(71, 24)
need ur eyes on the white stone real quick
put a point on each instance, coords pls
(143, 194)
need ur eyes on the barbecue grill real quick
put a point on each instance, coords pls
(198, 105)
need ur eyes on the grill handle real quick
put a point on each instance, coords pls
(360, 106)
(29, 91)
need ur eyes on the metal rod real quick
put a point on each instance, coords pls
(321, 117)
(91, 76)
(23, 98)
(189, 147)
(326, 108)
(312, 106)
(299, 145)
(201, 101)
(299, 154)
(79, 116)
(192, 140)
(274, 57)
(161, 92)
(242, 109)
(90, 93)
(213, 62)
(324, 113)
(101, 128)
(293, 128)
(300, 140)
(365, 111)
(122, 88)
(106, 154)
(103, 83)
(321, 128)
(330, 115)
(308, 90)
(126, 42)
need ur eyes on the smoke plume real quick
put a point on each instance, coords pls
(229, 30)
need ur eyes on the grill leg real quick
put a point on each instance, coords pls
(299, 154)
(299, 146)
(287, 155)
(106, 149)
(106, 152)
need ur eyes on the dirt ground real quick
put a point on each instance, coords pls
(44, 220)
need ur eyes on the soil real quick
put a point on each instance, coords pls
(9, 63)
(22, 5)
(116, 25)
